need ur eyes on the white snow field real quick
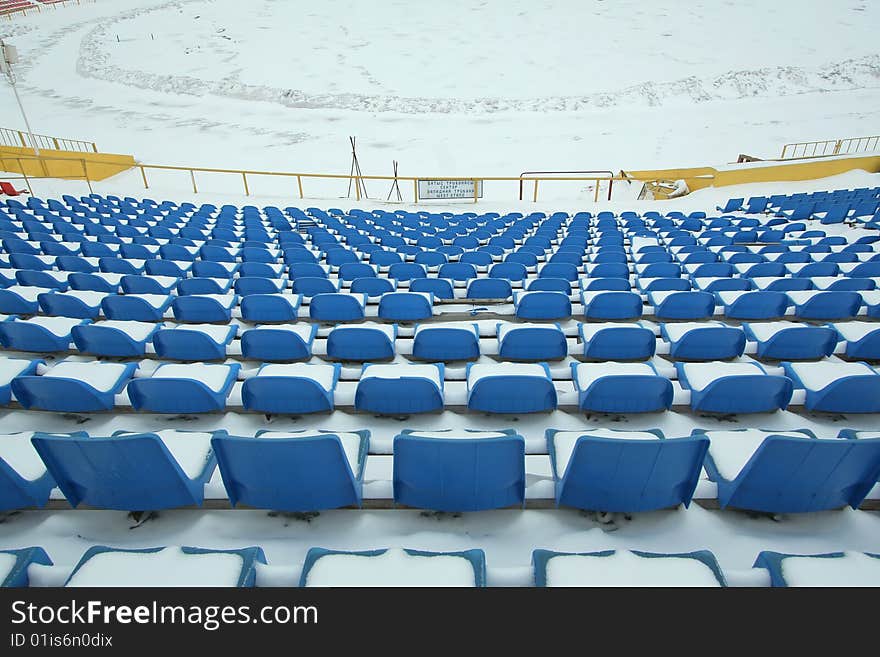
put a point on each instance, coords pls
(479, 88)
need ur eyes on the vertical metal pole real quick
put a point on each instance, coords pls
(415, 190)
(23, 114)
(192, 175)
(476, 192)
(299, 182)
(144, 176)
(247, 191)
(535, 193)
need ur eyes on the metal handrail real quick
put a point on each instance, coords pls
(17, 138)
(844, 146)
(535, 195)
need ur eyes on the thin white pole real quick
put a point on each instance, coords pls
(23, 114)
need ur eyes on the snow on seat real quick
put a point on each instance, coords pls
(10, 368)
(39, 334)
(870, 298)
(270, 307)
(130, 471)
(759, 304)
(113, 337)
(542, 305)
(291, 388)
(406, 306)
(832, 569)
(166, 566)
(50, 279)
(611, 304)
(190, 388)
(136, 307)
(84, 304)
(617, 341)
(202, 285)
(192, 342)
(204, 307)
(814, 304)
(790, 340)
(624, 471)
(24, 479)
(719, 387)
(682, 305)
(14, 565)
(297, 471)
(394, 568)
(531, 341)
(74, 387)
(837, 387)
(362, 342)
(625, 568)
(446, 341)
(781, 283)
(790, 472)
(510, 388)
(20, 299)
(703, 341)
(862, 339)
(459, 471)
(278, 342)
(613, 387)
(400, 388)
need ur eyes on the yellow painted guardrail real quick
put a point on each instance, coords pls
(18, 138)
(38, 8)
(846, 146)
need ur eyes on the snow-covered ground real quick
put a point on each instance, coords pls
(479, 88)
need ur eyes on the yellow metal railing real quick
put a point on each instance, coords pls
(17, 138)
(4, 159)
(478, 181)
(38, 8)
(846, 146)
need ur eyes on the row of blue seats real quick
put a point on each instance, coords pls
(829, 207)
(600, 469)
(405, 388)
(168, 566)
(439, 341)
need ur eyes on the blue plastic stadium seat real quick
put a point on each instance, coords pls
(613, 387)
(246, 285)
(73, 387)
(362, 342)
(459, 471)
(400, 388)
(790, 340)
(549, 285)
(179, 388)
(755, 305)
(682, 305)
(394, 567)
(624, 568)
(300, 471)
(510, 388)
(531, 342)
(16, 575)
(406, 306)
(270, 307)
(97, 282)
(113, 338)
(279, 342)
(542, 305)
(337, 307)
(489, 288)
(719, 387)
(611, 305)
(136, 307)
(703, 340)
(57, 280)
(313, 286)
(166, 566)
(294, 388)
(38, 334)
(646, 285)
(192, 342)
(616, 341)
(813, 304)
(130, 471)
(446, 342)
(20, 299)
(624, 471)
(815, 570)
(862, 339)
(837, 387)
(24, 479)
(204, 308)
(148, 284)
(790, 472)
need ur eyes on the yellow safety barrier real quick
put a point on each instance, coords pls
(64, 164)
(846, 146)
